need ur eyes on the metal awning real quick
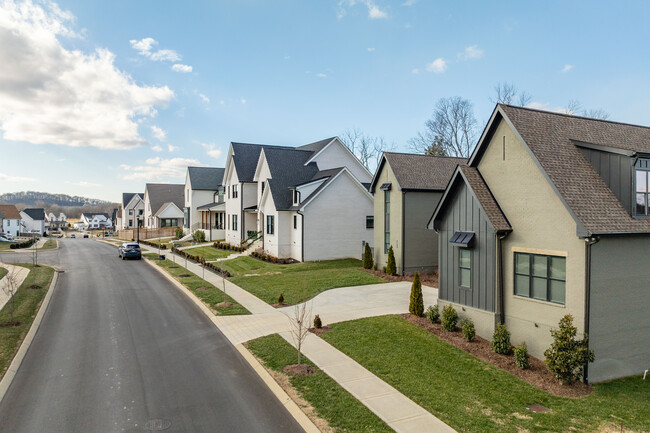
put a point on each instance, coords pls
(386, 186)
(250, 209)
(462, 239)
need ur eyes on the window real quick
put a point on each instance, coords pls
(140, 211)
(234, 222)
(386, 221)
(228, 218)
(130, 211)
(263, 185)
(295, 221)
(269, 224)
(641, 188)
(228, 197)
(465, 267)
(234, 191)
(130, 223)
(370, 222)
(540, 277)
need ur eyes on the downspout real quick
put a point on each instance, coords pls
(403, 231)
(589, 241)
(241, 213)
(500, 293)
(302, 229)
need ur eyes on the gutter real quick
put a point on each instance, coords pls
(500, 294)
(302, 229)
(588, 243)
(403, 231)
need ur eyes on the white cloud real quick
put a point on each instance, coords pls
(409, 2)
(374, 12)
(438, 66)
(222, 102)
(471, 52)
(415, 71)
(157, 148)
(243, 101)
(546, 107)
(204, 98)
(158, 133)
(178, 67)
(212, 150)
(83, 183)
(58, 96)
(321, 75)
(144, 48)
(158, 169)
(371, 50)
(172, 148)
(16, 179)
(567, 68)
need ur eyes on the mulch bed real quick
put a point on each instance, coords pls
(224, 304)
(537, 375)
(430, 280)
(284, 304)
(10, 324)
(299, 370)
(184, 275)
(321, 330)
(34, 287)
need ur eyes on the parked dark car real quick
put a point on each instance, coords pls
(130, 250)
(85, 235)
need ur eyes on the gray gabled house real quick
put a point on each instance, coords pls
(551, 217)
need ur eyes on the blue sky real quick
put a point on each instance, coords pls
(99, 97)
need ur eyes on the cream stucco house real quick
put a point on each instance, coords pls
(549, 218)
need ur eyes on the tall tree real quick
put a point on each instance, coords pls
(507, 93)
(367, 148)
(452, 129)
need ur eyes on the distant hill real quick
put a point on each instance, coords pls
(72, 206)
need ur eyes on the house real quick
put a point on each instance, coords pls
(307, 203)
(32, 220)
(95, 221)
(550, 217)
(204, 202)
(131, 212)
(163, 205)
(9, 219)
(55, 223)
(407, 189)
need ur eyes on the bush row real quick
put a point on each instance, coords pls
(154, 245)
(25, 244)
(201, 260)
(227, 246)
(268, 258)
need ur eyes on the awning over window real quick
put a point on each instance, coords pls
(462, 239)
(386, 186)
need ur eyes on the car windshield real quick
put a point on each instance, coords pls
(131, 245)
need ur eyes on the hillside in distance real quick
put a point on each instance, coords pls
(72, 206)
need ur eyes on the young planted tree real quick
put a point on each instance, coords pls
(391, 267)
(10, 288)
(300, 325)
(416, 305)
(367, 257)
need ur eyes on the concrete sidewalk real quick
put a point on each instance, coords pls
(20, 275)
(335, 305)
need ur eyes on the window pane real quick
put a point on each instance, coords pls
(464, 259)
(539, 288)
(558, 268)
(641, 182)
(557, 291)
(522, 263)
(465, 275)
(540, 264)
(522, 285)
(640, 204)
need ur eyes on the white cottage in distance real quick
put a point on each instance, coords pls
(204, 202)
(308, 203)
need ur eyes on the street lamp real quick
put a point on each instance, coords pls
(137, 223)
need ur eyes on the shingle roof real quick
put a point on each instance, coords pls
(9, 211)
(205, 178)
(316, 146)
(485, 198)
(549, 135)
(288, 169)
(161, 193)
(127, 196)
(37, 214)
(245, 157)
(422, 172)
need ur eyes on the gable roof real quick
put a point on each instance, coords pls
(205, 178)
(288, 169)
(317, 146)
(476, 183)
(9, 211)
(128, 196)
(37, 214)
(245, 157)
(165, 206)
(161, 193)
(418, 172)
(550, 137)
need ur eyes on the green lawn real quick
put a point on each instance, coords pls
(209, 252)
(26, 302)
(5, 245)
(49, 244)
(331, 402)
(297, 282)
(471, 395)
(3, 272)
(210, 297)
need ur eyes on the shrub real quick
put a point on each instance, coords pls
(367, 257)
(391, 267)
(567, 355)
(280, 299)
(275, 259)
(317, 322)
(469, 332)
(416, 304)
(501, 340)
(449, 318)
(521, 356)
(433, 313)
(383, 269)
(179, 232)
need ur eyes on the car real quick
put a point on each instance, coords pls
(130, 250)
(72, 236)
(85, 235)
(6, 236)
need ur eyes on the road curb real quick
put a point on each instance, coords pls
(22, 351)
(291, 406)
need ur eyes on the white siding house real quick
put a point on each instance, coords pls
(131, 212)
(163, 205)
(32, 221)
(204, 202)
(10, 218)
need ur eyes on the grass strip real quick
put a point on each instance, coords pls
(27, 302)
(208, 252)
(49, 244)
(3, 272)
(471, 395)
(297, 282)
(330, 401)
(209, 294)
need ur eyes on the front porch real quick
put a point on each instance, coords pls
(213, 221)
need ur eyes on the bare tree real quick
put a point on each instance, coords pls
(597, 113)
(507, 93)
(452, 129)
(365, 147)
(300, 325)
(10, 288)
(574, 107)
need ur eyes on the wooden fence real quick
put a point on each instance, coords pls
(163, 232)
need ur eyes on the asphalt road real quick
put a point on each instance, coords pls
(120, 346)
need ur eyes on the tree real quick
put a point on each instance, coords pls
(367, 257)
(574, 107)
(10, 288)
(416, 304)
(391, 267)
(367, 148)
(567, 355)
(452, 129)
(507, 93)
(300, 325)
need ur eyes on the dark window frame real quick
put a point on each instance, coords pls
(386, 220)
(234, 222)
(370, 221)
(531, 276)
(235, 193)
(270, 224)
(295, 222)
(461, 267)
(645, 194)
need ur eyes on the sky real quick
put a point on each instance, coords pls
(99, 98)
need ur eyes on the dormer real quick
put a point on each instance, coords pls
(301, 192)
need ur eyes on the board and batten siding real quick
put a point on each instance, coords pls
(619, 322)
(464, 214)
(420, 243)
(617, 172)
